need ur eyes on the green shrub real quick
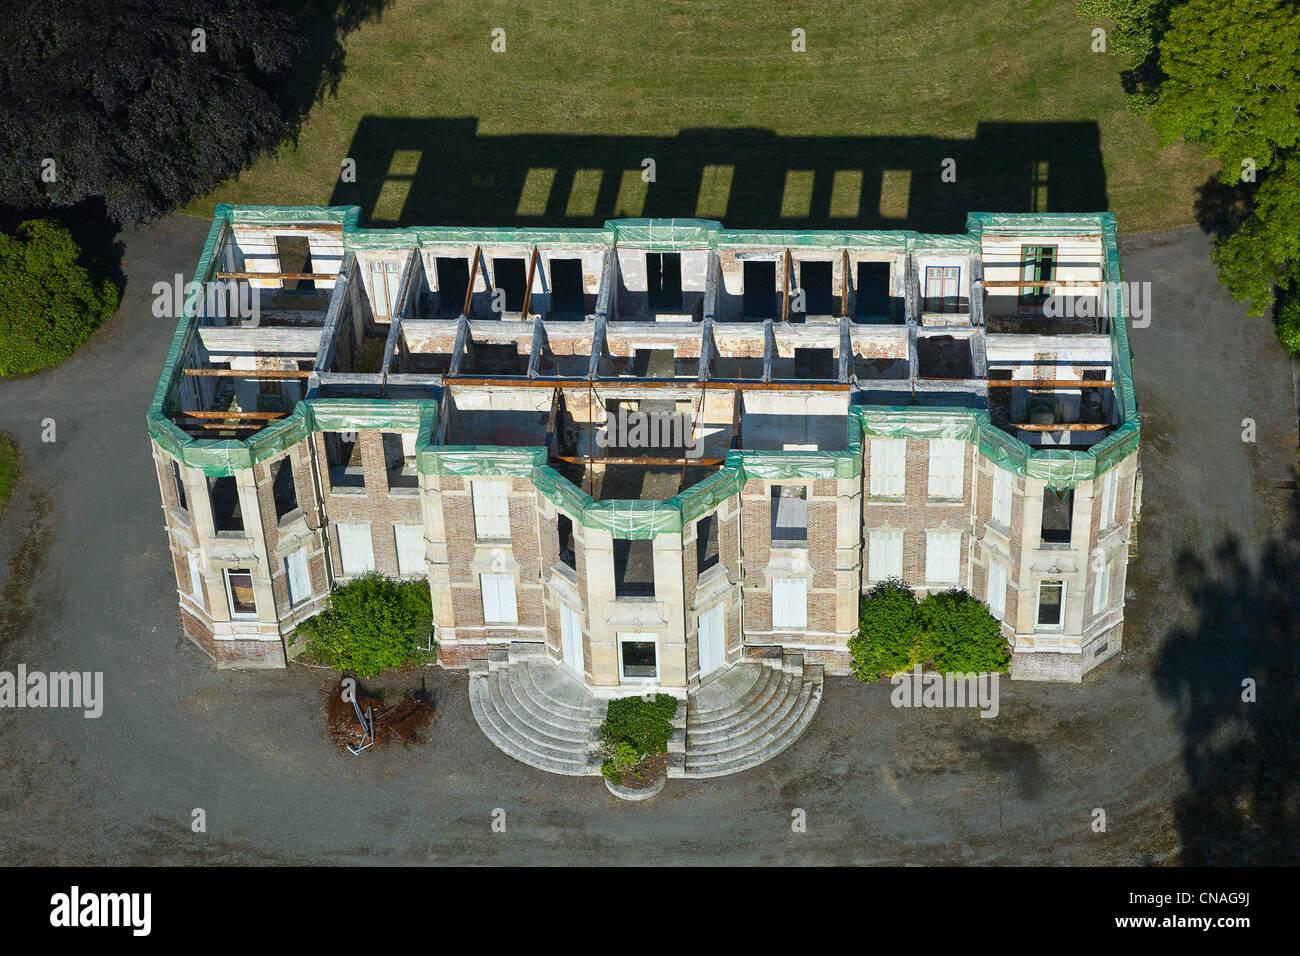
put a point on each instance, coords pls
(633, 729)
(50, 300)
(1286, 321)
(962, 635)
(370, 624)
(889, 637)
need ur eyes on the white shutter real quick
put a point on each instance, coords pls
(499, 605)
(996, 596)
(295, 569)
(789, 603)
(942, 557)
(196, 579)
(888, 464)
(355, 548)
(571, 639)
(1108, 499)
(491, 507)
(712, 640)
(947, 467)
(1002, 497)
(410, 548)
(1101, 588)
(884, 554)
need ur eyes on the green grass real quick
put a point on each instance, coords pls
(884, 92)
(8, 470)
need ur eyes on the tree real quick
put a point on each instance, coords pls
(962, 635)
(51, 297)
(370, 624)
(1226, 73)
(131, 105)
(1264, 251)
(889, 632)
(1231, 80)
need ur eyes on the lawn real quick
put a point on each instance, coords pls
(851, 133)
(8, 470)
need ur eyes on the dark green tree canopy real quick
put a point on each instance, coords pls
(132, 106)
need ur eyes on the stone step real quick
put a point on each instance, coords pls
(792, 663)
(750, 719)
(765, 680)
(525, 651)
(531, 680)
(498, 658)
(759, 750)
(765, 691)
(516, 729)
(697, 712)
(499, 734)
(541, 709)
(528, 727)
(478, 667)
(768, 723)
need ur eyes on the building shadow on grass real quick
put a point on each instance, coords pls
(1242, 806)
(443, 171)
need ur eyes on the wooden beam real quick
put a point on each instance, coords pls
(785, 300)
(217, 426)
(844, 287)
(322, 276)
(473, 271)
(1059, 427)
(245, 373)
(253, 416)
(1047, 383)
(528, 289)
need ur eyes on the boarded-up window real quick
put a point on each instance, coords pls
(1002, 496)
(1101, 589)
(888, 467)
(996, 596)
(355, 548)
(410, 548)
(1108, 499)
(295, 570)
(196, 579)
(499, 605)
(947, 468)
(491, 507)
(789, 603)
(942, 557)
(884, 554)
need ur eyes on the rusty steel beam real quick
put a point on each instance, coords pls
(1060, 427)
(528, 290)
(252, 416)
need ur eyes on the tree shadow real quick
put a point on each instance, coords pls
(431, 171)
(1242, 806)
(1221, 208)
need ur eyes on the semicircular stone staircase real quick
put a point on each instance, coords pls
(533, 710)
(751, 713)
(538, 713)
